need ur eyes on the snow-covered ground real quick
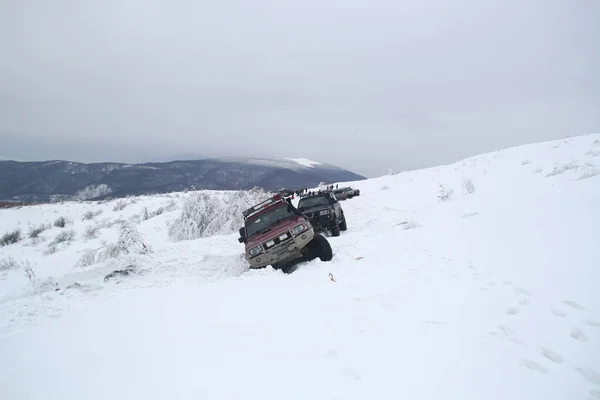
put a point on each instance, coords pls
(490, 292)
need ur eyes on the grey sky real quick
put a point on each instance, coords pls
(364, 84)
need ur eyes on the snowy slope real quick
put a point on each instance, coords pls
(484, 295)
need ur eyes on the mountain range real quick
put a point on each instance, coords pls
(57, 180)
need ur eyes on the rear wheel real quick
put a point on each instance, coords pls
(343, 224)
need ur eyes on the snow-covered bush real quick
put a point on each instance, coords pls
(444, 194)
(411, 224)
(146, 215)
(207, 214)
(562, 168)
(10, 237)
(130, 242)
(468, 185)
(588, 171)
(93, 191)
(60, 222)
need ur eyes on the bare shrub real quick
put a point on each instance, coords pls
(65, 236)
(24, 266)
(468, 185)
(27, 270)
(52, 248)
(91, 232)
(445, 194)
(89, 215)
(8, 264)
(34, 232)
(120, 205)
(119, 221)
(60, 222)
(208, 214)
(10, 237)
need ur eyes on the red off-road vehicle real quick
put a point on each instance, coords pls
(275, 233)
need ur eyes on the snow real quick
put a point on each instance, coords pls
(304, 162)
(484, 295)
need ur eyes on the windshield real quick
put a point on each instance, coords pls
(308, 202)
(266, 219)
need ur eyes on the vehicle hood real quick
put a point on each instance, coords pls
(276, 230)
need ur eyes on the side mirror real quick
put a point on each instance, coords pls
(241, 240)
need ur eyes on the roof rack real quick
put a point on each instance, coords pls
(273, 201)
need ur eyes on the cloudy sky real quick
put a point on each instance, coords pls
(365, 84)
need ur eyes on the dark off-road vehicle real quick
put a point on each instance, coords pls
(324, 212)
(346, 193)
(275, 233)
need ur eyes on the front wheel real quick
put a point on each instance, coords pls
(321, 248)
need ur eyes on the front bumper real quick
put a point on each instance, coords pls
(287, 251)
(321, 222)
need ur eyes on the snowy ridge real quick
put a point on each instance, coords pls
(305, 162)
(475, 280)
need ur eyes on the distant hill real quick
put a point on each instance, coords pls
(50, 181)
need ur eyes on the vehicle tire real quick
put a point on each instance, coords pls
(343, 224)
(335, 229)
(322, 248)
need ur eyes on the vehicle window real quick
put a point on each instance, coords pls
(308, 202)
(266, 219)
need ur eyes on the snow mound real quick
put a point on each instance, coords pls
(473, 280)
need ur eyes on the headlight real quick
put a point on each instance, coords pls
(324, 212)
(298, 229)
(269, 243)
(255, 251)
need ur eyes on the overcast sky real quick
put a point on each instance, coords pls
(364, 84)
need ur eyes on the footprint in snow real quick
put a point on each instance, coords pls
(330, 354)
(578, 334)
(575, 305)
(592, 322)
(558, 313)
(594, 394)
(589, 374)
(512, 311)
(532, 365)
(551, 355)
(522, 291)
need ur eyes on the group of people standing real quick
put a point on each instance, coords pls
(305, 192)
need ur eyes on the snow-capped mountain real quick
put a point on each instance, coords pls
(475, 280)
(64, 180)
